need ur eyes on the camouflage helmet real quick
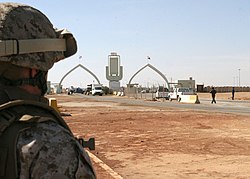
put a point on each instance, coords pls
(20, 24)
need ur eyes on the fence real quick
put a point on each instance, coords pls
(225, 89)
(132, 92)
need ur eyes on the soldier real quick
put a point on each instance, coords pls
(233, 91)
(35, 142)
(213, 93)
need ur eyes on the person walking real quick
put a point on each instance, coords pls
(213, 93)
(233, 91)
(35, 141)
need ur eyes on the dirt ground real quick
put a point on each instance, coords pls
(158, 143)
(237, 96)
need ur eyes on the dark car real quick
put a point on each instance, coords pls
(79, 90)
(72, 90)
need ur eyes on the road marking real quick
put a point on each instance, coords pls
(104, 166)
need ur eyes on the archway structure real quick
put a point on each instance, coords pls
(77, 66)
(153, 68)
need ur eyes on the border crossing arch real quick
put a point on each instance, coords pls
(153, 68)
(79, 66)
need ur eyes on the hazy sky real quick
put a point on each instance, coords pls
(208, 40)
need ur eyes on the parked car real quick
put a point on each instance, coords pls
(72, 90)
(79, 90)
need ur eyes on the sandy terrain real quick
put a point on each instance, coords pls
(149, 142)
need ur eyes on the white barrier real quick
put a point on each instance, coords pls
(190, 99)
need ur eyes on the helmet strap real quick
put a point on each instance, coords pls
(39, 80)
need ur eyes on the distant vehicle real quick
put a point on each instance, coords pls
(97, 89)
(79, 90)
(94, 89)
(162, 92)
(72, 90)
(178, 92)
(88, 90)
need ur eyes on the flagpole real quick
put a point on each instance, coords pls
(148, 58)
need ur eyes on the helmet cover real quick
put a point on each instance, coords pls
(21, 22)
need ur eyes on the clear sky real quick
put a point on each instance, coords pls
(208, 40)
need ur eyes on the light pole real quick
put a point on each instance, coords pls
(239, 77)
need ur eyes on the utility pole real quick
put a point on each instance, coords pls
(239, 77)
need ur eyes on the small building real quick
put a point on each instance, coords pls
(186, 84)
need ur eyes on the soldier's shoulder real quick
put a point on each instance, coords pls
(46, 132)
(48, 147)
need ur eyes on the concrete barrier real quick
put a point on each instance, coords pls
(53, 103)
(190, 99)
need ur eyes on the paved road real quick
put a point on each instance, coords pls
(224, 106)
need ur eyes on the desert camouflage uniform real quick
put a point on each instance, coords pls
(47, 149)
(33, 25)
(40, 150)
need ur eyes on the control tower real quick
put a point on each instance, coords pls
(114, 71)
